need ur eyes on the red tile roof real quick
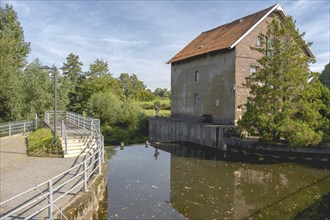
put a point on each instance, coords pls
(221, 37)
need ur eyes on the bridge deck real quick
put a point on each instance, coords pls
(20, 172)
(71, 129)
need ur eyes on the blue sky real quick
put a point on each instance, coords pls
(141, 36)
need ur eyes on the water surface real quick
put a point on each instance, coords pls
(181, 182)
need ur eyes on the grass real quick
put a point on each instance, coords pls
(161, 101)
(161, 113)
(40, 144)
(164, 106)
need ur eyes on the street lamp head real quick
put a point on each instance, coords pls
(49, 68)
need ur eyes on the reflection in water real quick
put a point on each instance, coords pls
(180, 182)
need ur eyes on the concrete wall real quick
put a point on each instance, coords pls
(221, 81)
(175, 130)
(214, 87)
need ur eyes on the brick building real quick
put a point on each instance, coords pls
(207, 75)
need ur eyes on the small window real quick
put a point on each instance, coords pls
(196, 98)
(253, 69)
(258, 42)
(196, 76)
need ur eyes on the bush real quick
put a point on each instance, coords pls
(40, 143)
(132, 135)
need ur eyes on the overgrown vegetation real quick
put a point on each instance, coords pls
(285, 102)
(41, 144)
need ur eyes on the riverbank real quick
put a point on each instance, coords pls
(84, 205)
(219, 137)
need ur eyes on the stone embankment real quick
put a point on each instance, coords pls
(85, 205)
(220, 137)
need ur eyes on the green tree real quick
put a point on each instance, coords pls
(99, 68)
(72, 71)
(63, 89)
(37, 90)
(162, 93)
(98, 80)
(13, 53)
(131, 84)
(283, 104)
(106, 106)
(144, 96)
(325, 76)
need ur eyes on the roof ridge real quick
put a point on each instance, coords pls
(237, 20)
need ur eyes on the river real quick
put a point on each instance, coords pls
(189, 182)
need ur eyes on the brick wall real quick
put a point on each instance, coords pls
(245, 58)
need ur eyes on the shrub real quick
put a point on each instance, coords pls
(40, 143)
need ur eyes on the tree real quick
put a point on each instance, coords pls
(99, 68)
(325, 76)
(13, 53)
(105, 106)
(131, 84)
(283, 104)
(37, 90)
(72, 71)
(162, 93)
(72, 68)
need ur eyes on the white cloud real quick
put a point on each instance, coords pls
(141, 36)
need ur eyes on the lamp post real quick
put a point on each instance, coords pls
(55, 127)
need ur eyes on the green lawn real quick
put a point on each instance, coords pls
(161, 113)
(161, 101)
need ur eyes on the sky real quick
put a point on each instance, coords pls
(141, 36)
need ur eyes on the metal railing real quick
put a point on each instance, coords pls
(70, 181)
(17, 127)
(64, 136)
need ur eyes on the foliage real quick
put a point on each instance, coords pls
(41, 143)
(283, 104)
(72, 71)
(144, 95)
(325, 76)
(26, 90)
(37, 90)
(99, 68)
(162, 93)
(132, 135)
(105, 106)
(131, 85)
(161, 113)
(13, 53)
(93, 85)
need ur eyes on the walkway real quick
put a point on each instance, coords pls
(18, 172)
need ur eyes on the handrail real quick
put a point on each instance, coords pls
(51, 184)
(64, 136)
(16, 127)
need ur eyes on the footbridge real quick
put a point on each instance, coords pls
(77, 132)
(38, 188)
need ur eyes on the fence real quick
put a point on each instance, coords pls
(17, 127)
(46, 196)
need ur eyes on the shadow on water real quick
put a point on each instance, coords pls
(208, 153)
(318, 210)
(178, 181)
